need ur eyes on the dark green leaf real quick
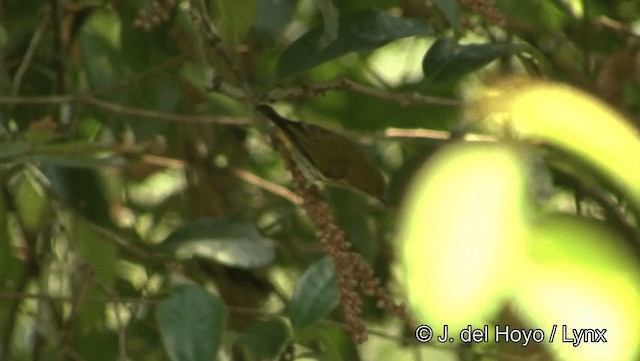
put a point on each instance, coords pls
(229, 242)
(273, 16)
(82, 189)
(191, 324)
(361, 31)
(446, 60)
(265, 339)
(450, 10)
(88, 342)
(315, 295)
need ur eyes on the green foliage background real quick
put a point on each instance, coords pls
(144, 214)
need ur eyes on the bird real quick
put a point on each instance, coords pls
(328, 155)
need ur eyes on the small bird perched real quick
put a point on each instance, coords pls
(328, 155)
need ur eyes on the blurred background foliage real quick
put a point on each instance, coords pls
(145, 215)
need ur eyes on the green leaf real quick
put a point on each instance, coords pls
(9, 150)
(265, 339)
(96, 249)
(451, 189)
(361, 31)
(100, 41)
(273, 16)
(9, 264)
(450, 10)
(32, 203)
(89, 342)
(580, 261)
(580, 125)
(191, 324)
(83, 189)
(446, 60)
(226, 241)
(330, 18)
(315, 295)
(235, 18)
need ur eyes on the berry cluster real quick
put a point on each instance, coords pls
(351, 270)
(149, 19)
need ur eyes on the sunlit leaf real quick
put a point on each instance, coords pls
(227, 241)
(362, 31)
(582, 276)
(566, 118)
(191, 324)
(315, 295)
(265, 339)
(453, 244)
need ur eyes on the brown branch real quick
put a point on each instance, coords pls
(417, 133)
(615, 25)
(266, 185)
(435, 135)
(121, 109)
(313, 90)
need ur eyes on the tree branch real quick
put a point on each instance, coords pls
(313, 90)
(121, 109)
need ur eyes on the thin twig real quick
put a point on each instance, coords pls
(200, 15)
(31, 50)
(79, 291)
(435, 135)
(138, 78)
(120, 325)
(313, 90)
(266, 185)
(417, 133)
(140, 253)
(121, 109)
(615, 25)
(60, 45)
